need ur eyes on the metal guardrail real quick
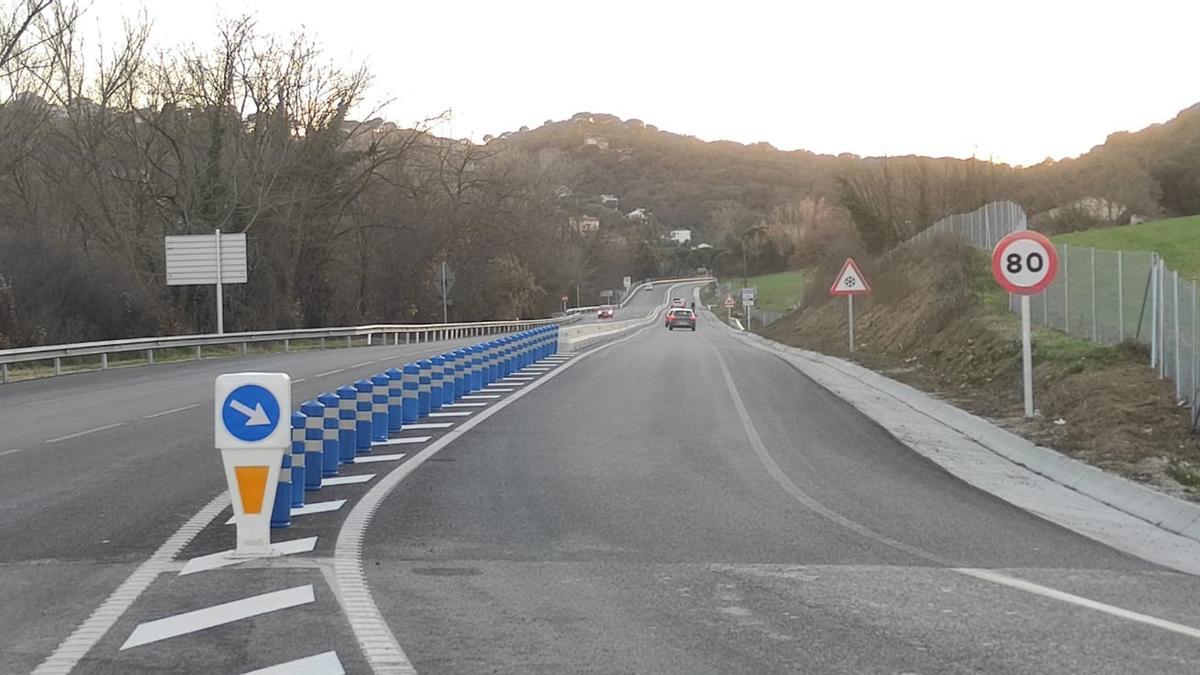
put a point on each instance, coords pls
(412, 334)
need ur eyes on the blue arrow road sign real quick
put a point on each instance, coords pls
(250, 413)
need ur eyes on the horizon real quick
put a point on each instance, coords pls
(866, 78)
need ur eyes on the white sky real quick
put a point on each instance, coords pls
(1016, 80)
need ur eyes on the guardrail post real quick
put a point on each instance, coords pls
(379, 407)
(406, 337)
(423, 388)
(150, 358)
(347, 433)
(362, 418)
(322, 343)
(314, 450)
(409, 407)
(287, 345)
(350, 340)
(57, 366)
(3, 373)
(395, 397)
(437, 379)
(298, 463)
(199, 353)
(331, 447)
(245, 349)
(104, 361)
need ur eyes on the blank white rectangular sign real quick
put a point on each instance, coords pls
(192, 259)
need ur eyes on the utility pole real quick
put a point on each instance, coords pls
(445, 313)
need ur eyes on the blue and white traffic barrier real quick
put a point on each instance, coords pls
(506, 356)
(410, 406)
(314, 447)
(493, 361)
(462, 383)
(362, 416)
(379, 407)
(298, 462)
(281, 510)
(395, 398)
(450, 383)
(476, 367)
(331, 446)
(347, 424)
(423, 381)
(437, 380)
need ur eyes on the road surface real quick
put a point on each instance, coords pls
(674, 502)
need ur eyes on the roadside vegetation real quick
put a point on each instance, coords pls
(936, 320)
(1176, 239)
(778, 292)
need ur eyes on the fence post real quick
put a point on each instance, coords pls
(1094, 331)
(1066, 291)
(1175, 302)
(1120, 299)
(1153, 282)
(1162, 319)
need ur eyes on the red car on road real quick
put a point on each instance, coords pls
(680, 318)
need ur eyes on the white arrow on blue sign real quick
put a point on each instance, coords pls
(250, 413)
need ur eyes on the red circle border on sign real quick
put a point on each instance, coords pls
(1051, 262)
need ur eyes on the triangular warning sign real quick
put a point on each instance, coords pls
(850, 281)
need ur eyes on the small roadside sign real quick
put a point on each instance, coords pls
(729, 301)
(850, 281)
(1024, 263)
(606, 294)
(565, 297)
(627, 281)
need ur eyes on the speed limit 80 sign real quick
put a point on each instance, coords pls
(1024, 262)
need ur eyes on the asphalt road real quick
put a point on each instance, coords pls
(619, 519)
(670, 502)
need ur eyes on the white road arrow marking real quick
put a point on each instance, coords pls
(257, 416)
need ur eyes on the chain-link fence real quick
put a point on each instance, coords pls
(1104, 296)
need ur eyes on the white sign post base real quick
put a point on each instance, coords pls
(253, 477)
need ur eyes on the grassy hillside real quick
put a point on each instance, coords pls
(1176, 239)
(778, 292)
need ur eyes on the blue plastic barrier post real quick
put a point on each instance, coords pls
(298, 473)
(486, 362)
(493, 361)
(331, 445)
(409, 406)
(476, 367)
(450, 384)
(281, 510)
(347, 425)
(379, 407)
(362, 417)
(506, 356)
(461, 384)
(314, 420)
(395, 399)
(423, 381)
(437, 381)
(554, 342)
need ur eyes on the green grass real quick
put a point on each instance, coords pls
(1176, 239)
(777, 292)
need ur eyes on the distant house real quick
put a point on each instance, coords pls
(638, 215)
(609, 200)
(601, 143)
(585, 224)
(680, 236)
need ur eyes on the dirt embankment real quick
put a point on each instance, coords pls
(937, 321)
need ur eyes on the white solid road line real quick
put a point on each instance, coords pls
(481, 396)
(330, 372)
(461, 413)
(219, 615)
(464, 405)
(1047, 592)
(321, 664)
(403, 440)
(225, 559)
(172, 411)
(346, 480)
(427, 425)
(84, 433)
(10, 452)
(370, 459)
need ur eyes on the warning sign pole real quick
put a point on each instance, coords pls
(850, 307)
(850, 282)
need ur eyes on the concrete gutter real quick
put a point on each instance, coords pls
(954, 439)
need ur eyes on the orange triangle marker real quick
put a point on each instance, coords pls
(252, 485)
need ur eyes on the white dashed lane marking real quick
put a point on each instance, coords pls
(10, 452)
(218, 615)
(85, 433)
(224, 558)
(172, 411)
(321, 664)
(330, 372)
(346, 480)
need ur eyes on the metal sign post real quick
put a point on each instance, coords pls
(564, 299)
(207, 259)
(445, 279)
(249, 431)
(1024, 263)
(850, 282)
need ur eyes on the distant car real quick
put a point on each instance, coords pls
(678, 302)
(681, 318)
(649, 287)
(605, 312)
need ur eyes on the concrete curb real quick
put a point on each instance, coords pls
(1169, 513)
